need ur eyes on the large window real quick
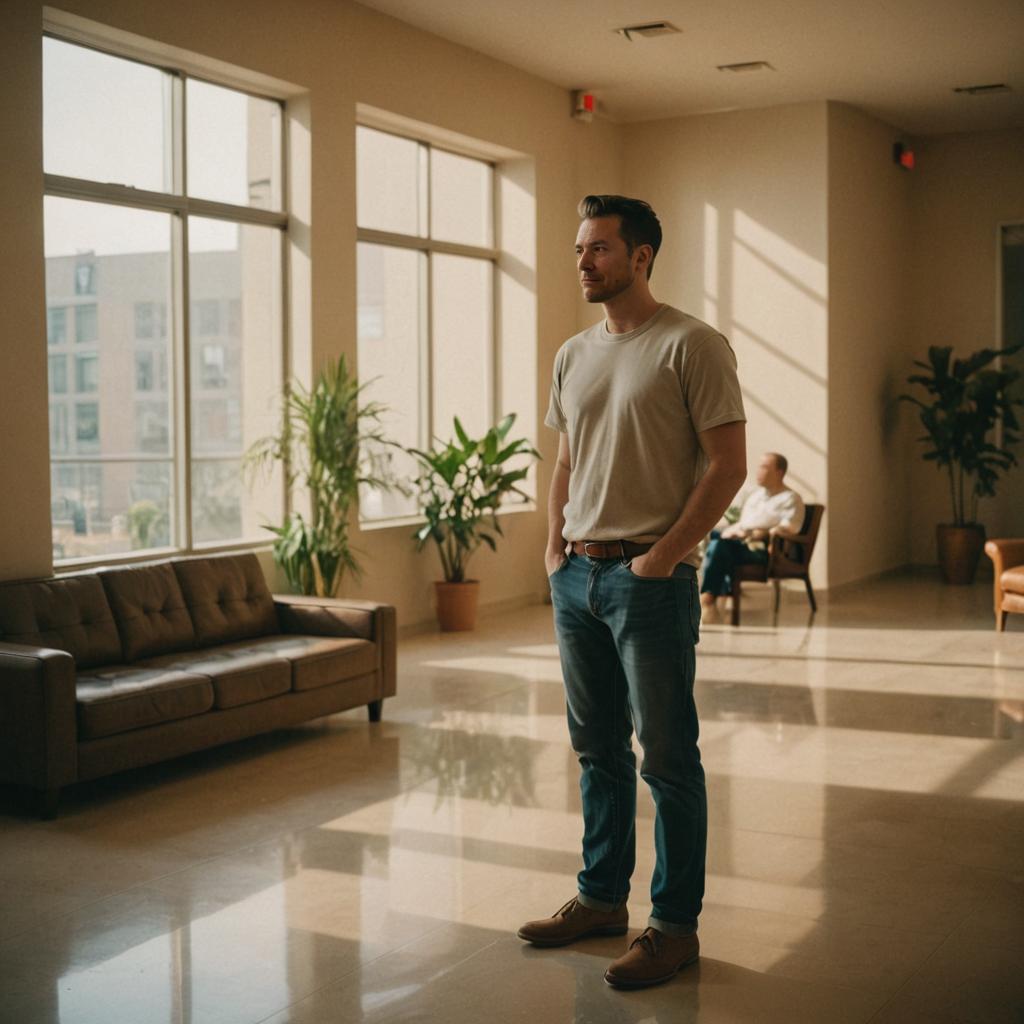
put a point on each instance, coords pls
(164, 240)
(426, 285)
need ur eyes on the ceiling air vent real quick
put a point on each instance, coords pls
(750, 65)
(982, 90)
(648, 30)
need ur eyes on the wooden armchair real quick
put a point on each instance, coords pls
(1008, 569)
(789, 558)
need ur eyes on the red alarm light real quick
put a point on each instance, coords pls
(583, 105)
(903, 155)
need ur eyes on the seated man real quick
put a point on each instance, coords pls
(772, 508)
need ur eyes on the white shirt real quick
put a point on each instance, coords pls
(762, 511)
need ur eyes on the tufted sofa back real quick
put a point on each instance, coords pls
(227, 598)
(70, 614)
(122, 615)
(149, 609)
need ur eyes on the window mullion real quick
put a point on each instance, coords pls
(427, 425)
(182, 358)
(494, 349)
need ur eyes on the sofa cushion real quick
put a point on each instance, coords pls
(149, 610)
(315, 660)
(120, 698)
(1012, 580)
(227, 598)
(238, 677)
(69, 614)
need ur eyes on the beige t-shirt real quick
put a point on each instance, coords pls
(632, 405)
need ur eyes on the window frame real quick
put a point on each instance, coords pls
(431, 246)
(180, 206)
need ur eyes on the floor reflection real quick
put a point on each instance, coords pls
(865, 801)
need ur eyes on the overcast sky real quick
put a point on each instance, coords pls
(105, 119)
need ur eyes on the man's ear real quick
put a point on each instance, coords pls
(644, 254)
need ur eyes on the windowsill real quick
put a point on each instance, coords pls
(153, 555)
(404, 522)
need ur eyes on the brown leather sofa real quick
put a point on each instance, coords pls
(1008, 567)
(105, 671)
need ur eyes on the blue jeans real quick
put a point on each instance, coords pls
(721, 557)
(628, 660)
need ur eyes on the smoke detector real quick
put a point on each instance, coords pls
(749, 65)
(648, 30)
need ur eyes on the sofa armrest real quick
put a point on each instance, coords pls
(38, 730)
(331, 616)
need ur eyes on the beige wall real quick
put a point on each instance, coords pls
(342, 54)
(788, 228)
(869, 245)
(963, 187)
(24, 427)
(742, 201)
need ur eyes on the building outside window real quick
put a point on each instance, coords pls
(136, 218)
(426, 265)
(86, 324)
(87, 373)
(58, 366)
(56, 325)
(87, 422)
(59, 427)
(150, 320)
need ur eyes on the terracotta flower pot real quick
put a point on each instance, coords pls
(959, 551)
(456, 605)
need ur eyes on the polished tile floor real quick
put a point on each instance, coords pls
(866, 857)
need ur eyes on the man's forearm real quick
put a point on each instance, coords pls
(709, 499)
(558, 498)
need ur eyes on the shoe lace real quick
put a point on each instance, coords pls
(567, 909)
(650, 940)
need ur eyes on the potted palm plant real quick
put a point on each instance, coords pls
(965, 399)
(461, 486)
(329, 443)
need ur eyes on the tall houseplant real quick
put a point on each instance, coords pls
(325, 443)
(965, 399)
(461, 486)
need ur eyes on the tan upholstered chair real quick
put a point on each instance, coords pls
(1008, 586)
(789, 558)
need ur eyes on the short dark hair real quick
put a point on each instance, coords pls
(781, 462)
(638, 223)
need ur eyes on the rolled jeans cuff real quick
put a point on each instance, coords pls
(593, 904)
(671, 927)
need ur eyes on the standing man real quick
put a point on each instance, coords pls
(651, 451)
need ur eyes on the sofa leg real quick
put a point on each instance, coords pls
(47, 802)
(374, 708)
(1000, 620)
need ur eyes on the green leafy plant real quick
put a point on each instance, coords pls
(965, 399)
(461, 487)
(329, 444)
(147, 525)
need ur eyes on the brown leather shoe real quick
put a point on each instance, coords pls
(575, 921)
(653, 957)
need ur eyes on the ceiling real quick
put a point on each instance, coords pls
(898, 60)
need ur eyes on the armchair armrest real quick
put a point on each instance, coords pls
(787, 553)
(38, 731)
(331, 616)
(1005, 554)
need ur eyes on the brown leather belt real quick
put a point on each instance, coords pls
(609, 548)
